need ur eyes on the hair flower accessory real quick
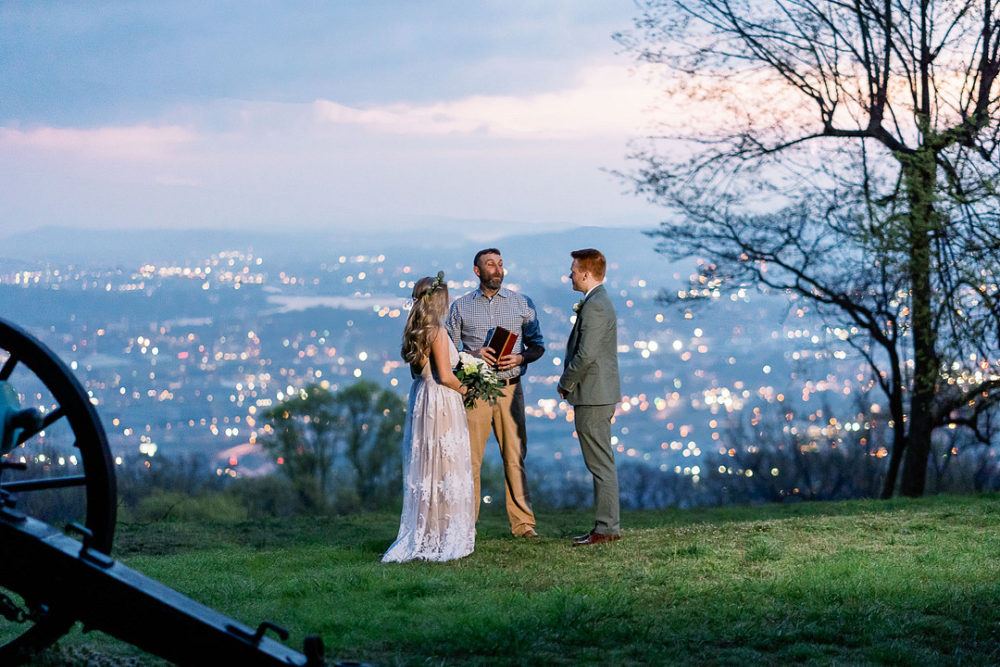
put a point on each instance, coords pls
(434, 286)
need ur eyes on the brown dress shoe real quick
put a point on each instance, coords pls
(596, 538)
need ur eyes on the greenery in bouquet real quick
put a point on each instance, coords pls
(481, 380)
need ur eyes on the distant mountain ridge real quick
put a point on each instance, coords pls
(132, 247)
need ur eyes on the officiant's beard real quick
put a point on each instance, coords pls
(492, 284)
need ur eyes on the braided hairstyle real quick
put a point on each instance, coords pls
(430, 305)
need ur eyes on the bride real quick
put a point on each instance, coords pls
(438, 520)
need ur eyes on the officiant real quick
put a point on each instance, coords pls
(473, 321)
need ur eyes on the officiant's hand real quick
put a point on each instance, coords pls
(487, 354)
(509, 361)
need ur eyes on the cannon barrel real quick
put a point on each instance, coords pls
(76, 581)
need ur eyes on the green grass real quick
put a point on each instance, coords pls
(904, 582)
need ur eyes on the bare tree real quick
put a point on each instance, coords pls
(844, 151)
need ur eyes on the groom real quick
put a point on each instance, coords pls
(590, 383)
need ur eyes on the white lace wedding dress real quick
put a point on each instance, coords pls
(438, 521)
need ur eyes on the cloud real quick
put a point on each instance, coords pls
(141, 142)
(607, 101)
(245, 163)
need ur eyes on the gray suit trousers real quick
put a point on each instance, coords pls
(593, 428)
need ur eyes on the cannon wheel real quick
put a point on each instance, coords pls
(66, 408)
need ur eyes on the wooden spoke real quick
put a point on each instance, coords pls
(42, 484)
(8, 367)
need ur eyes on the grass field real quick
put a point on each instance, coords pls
(870, 582)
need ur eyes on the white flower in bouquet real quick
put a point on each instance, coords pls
(481, 380)
(469, 363)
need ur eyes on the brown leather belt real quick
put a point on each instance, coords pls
(509, 381)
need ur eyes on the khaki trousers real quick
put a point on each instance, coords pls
(505, 419)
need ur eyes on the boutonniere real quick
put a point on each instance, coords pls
(577, 306)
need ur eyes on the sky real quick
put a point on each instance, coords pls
(334, 114)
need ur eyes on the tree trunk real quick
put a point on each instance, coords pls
(896, 457)
(898, 412)
(920, 174)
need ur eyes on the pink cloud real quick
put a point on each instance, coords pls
(604, 102)
(141, 142)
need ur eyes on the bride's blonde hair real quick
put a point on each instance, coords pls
(430, 305)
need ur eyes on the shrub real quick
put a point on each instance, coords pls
(172, 505)
(267, 496)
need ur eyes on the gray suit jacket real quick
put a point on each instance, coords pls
(590, 374)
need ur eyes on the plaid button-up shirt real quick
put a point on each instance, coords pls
(473, 318)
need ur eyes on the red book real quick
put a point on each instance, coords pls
(502, 341)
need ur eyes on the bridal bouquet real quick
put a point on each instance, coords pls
(481, 380)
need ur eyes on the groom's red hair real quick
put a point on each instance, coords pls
(592, 261)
